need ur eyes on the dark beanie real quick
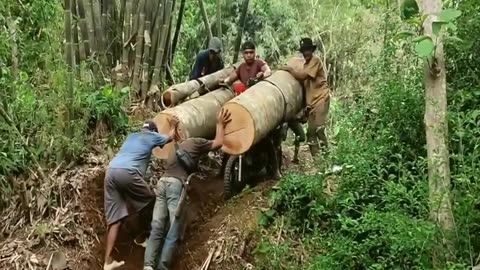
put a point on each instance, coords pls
(248, 45)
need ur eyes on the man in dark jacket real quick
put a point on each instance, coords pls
(208, 61)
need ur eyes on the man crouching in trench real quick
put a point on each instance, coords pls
(124, 182)
(163, 238)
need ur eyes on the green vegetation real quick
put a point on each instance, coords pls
(377, 215)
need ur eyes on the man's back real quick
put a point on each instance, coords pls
(195, 147)
(136, 151)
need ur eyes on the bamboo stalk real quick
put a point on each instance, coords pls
(79, 54)
(12, 27)
(97, 20)
(219, 19)
(146, 51)
(177, 28)
(104, 10)
(126, 33)
(69, 61)
(241, 26)
(203, 11)
(87, 40)
(156, 29)
(161, 46)
(139, 47)
(136, 17)
(87, 6)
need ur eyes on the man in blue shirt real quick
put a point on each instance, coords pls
(208, 61)
(124, 181)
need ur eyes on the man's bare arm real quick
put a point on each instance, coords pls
(266, 71)
(297, 74)
(231, 78)
(223, 118)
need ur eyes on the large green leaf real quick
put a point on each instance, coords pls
(425, 47)
(420, 38)
(448, 15)
(437, 27)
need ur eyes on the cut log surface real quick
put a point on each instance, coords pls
(197, 118)
(260, 109)
(177, 93)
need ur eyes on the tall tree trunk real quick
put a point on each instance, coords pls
(219, 19)
(241, 26)
(69, 61)
(178, 28)
(139, 47)
(436, 126)
(203, 11)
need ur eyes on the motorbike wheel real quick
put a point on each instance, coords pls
(232, 184)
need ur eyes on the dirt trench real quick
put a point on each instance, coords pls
(204, 212)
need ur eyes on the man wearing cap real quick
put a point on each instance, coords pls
(124, 181)
(208, 61)
(317, 94)
(166, 221)
(250, 71)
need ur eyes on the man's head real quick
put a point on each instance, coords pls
(214, 48)
(248, 50)
(150, 126)
(307, 48)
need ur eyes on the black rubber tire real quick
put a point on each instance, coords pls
(231, 185)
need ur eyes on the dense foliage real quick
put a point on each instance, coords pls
(378, 216)
(375, 214)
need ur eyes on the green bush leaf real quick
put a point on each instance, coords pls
(421, 38)
(425, 47)
(437, 27)
(449, 15)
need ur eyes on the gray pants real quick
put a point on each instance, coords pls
(163, 238)
(122, 186)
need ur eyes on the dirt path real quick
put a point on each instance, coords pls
(223, 229)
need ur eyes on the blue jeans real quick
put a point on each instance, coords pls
(161, 244)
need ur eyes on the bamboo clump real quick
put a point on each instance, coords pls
(129, 39)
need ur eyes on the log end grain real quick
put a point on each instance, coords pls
(168, 99)
(240, 132)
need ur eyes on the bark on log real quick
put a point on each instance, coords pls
(261, 108)
(197, 118)
(177, 93)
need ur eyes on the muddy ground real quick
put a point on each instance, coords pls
(223, 230)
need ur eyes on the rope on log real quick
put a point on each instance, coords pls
(197, 118)
(260, 109)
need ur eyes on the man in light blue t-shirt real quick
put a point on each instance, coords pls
(124, 180)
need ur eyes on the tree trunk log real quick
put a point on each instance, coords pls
(177, 93)
(197, 117)
(260, 109)
(436, 127)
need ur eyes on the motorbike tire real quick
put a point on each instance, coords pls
(231, 183)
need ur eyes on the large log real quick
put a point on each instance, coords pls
(261, 108)
(197, 117)
(177, 93)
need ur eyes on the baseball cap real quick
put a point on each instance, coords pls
(215, 45)
(150, 125)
